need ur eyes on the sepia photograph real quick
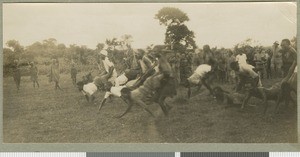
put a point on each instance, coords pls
(150, 72)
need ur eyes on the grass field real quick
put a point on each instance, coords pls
(46, 115)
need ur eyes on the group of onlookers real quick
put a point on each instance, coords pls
(269, 63)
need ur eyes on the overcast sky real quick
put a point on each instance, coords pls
(216, 24)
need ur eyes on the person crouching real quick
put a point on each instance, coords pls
(247, 75)
(200, 77)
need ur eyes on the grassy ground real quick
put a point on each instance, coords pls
(46, 115)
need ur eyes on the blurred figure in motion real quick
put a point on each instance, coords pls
(246, 75)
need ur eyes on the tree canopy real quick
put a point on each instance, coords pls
(169, 15)
(177, 33)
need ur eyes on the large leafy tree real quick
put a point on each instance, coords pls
(112, 43)
(126, 40)
(100, 46)
(177, 33)
(16, 47)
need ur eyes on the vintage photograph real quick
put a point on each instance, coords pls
(150, 72)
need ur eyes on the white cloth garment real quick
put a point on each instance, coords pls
(199, 73)
(107, 64)
(90, 88)
(241, 59)
(115, 91)
(121, 80)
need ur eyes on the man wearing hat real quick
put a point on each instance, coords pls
(276, 60)
(108, 66)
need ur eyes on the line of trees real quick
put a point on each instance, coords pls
(177, 36)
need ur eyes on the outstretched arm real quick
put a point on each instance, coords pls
(107, 94)
(102, 103)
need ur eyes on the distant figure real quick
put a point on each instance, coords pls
(34, 74)
(241, 58)
(231, 77)
(73, 73)
(207, 54)
(276, 61)
(197, 59)
(17, 73)
(260, 59)
(54, 73)
(175, 64)
(185, 68)
(269, 64)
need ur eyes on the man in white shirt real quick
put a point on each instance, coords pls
(241, 58)
(247, 75)
(108, 66)
(200, 76)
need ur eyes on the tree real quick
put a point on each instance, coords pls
(8, 56)
(126, 40)
(100, 46)
(112, 43)
(177, 33)
(50, 43)
(15, 46)
(168, 15)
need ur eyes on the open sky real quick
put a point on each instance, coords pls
(216, 24)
